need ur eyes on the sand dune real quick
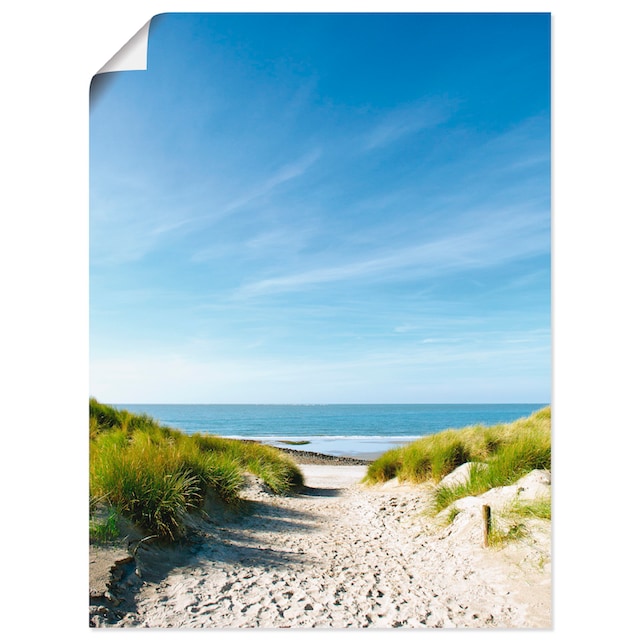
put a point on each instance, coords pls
(340, 555)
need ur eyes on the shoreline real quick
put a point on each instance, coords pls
(315, 458)
(347, 457)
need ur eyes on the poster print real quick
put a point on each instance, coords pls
(320, 323)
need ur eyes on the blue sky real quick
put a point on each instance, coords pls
(324, 208)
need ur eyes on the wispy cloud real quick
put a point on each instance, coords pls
(264, 245)
(407, 120)
(483, 246)
(283, 175)
(120, 237)
(404, 328)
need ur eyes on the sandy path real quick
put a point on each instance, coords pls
(339, 555)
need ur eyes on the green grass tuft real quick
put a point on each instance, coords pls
(508, 451)
(384, 468)
(155, 475)
(512, 522)
(105, 529)
(451, 515)
(514, 531)
(538, 508)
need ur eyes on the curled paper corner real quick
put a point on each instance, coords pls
(132, 56)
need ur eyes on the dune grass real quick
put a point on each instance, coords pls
(155, 475)
(104, 528)
(507, 451)
(512, 522)
(537, 508)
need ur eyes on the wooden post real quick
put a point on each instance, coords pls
(486, 524)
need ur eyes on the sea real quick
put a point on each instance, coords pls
(355, 430)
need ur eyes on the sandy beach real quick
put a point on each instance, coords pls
(337, 555)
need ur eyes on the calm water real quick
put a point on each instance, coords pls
(335, 429)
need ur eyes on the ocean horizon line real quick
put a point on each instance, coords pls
(324, 404)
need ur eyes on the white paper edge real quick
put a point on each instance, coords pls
(133, 55)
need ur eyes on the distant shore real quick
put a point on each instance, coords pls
(327, 450)
(311, 457)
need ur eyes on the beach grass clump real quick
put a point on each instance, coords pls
(272, 466)
(426, 459)
(386, 467)
(515, 530)
(513, 521)
(146, 481)
(537, 508)
(104, 529)
(155, 475)
(507, 453)
(104, 417)
(476, 484)
(522, 446)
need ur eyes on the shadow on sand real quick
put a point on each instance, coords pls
(221, 533)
